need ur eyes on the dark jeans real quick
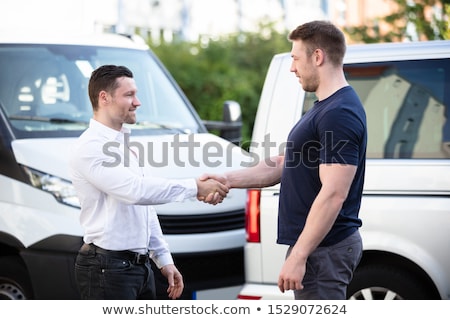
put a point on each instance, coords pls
(329, 270)
(103, 277)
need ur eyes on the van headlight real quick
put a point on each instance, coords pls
(61, 189)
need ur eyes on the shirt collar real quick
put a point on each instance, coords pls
(107, 132)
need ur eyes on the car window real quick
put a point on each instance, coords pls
(407, 107)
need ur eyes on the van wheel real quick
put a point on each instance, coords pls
(381, 282)
(14, 284)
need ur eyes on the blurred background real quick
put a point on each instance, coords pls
(219, 50)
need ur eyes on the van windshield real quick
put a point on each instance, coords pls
(44, 90)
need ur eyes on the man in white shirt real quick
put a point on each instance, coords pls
(122, 231)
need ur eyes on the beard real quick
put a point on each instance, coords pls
(310, 84)
(130, 118)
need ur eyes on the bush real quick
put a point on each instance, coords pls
(230, 68)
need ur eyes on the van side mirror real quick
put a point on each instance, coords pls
(231, 125)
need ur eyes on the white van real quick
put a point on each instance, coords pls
(44, 107)
(405, 89)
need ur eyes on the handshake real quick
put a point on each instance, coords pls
(212, 188)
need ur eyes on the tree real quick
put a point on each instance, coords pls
(426, 23)
(230, 68)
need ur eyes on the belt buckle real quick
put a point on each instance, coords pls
(140, 258)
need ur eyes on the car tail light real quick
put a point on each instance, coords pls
(252, 214)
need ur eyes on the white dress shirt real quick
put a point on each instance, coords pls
(116, 211)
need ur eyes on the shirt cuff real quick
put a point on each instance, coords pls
(191, 188)
(163, 260)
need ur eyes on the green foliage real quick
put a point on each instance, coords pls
(408, 14)
(446, 31)
(230, 68)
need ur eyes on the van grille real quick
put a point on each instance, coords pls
(202, 223)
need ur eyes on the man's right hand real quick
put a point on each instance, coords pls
(211, 191)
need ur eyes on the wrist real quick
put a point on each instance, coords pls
(299, 255)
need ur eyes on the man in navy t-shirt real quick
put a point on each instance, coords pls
(321, 172)
(332, 132)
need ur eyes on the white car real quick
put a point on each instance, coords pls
(405, 89)
(44, 107)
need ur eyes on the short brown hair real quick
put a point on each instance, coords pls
(322, 35)
(105, 78)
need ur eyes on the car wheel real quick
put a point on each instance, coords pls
(382, 282)
(14, 284)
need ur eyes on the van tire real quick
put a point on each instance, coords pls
(14, 284)
(384, 282)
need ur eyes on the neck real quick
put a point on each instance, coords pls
(107, 122)
(330, 82)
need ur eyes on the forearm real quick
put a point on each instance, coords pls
(160, 252)
(265, 173)
(336, 180)
(321, 218)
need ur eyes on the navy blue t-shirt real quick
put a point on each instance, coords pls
(334, 130)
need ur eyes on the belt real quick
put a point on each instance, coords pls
(133, 257)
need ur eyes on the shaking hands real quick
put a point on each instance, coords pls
(211, 188)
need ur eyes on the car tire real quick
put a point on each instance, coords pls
(382, 282)
(13, 283)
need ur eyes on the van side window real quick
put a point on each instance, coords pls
(407, 105)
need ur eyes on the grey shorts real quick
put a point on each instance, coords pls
(329, 270)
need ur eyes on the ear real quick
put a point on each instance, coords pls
(319, 57)
(103, 97)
